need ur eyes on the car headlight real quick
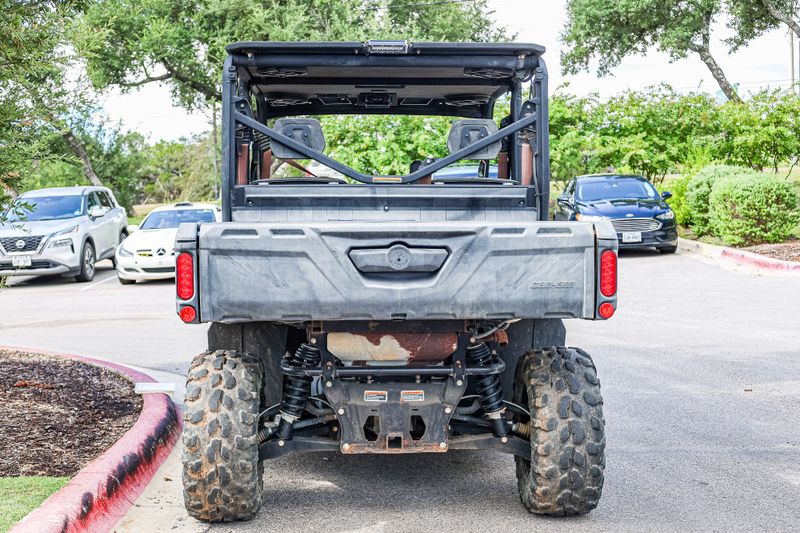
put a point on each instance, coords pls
(123, 252)
(59, 243)
(589, 218)
(669, 215)
(68, 231)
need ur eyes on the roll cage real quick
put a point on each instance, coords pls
(266, 80)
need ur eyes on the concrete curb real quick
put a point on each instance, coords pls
(739, 257)
(105, 489)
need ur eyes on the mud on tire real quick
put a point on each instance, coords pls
(222, 476)
(565, 474)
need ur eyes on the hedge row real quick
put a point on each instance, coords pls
(738, 205)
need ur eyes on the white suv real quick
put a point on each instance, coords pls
(61, 231)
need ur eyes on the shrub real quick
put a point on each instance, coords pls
(698, 191)
(678, 201)
(753, 208)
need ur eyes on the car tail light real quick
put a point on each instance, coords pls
(184, 276)
(606, 310)
(608, 273)
(187, 313)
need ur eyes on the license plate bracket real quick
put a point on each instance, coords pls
(21, 261)
(631, 236)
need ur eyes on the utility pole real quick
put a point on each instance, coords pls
(792, 64)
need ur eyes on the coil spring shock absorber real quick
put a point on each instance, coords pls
(489, 389)
(296, 389)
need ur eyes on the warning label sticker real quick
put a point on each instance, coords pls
(375, 395)
(412, 396)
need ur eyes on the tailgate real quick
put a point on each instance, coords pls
(394, 270)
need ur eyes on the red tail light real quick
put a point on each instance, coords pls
(606, 310)
(608, 273)
(184, 276)
(187, 313)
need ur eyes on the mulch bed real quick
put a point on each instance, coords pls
(56, 414)
(787, 251)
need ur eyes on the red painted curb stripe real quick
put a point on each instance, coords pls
(748, 258)
(103, 491)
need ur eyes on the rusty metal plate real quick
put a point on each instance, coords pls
(396, 347)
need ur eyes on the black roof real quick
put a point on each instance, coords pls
(364, 48)
(385, 77)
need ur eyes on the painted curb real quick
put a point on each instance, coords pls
(105, 489)
(739, 257)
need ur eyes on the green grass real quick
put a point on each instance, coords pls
(21, 495)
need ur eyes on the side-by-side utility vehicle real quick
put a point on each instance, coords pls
(390, 314)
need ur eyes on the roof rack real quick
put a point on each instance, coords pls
(183, 204)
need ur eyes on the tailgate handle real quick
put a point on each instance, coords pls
(398, 258)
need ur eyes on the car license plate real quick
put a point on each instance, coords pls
(20, 261)
(631, 236)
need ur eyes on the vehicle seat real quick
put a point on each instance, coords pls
(305, 131)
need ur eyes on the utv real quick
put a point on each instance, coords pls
(369, 314)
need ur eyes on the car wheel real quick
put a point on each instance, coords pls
(88, 259)
(124, 281)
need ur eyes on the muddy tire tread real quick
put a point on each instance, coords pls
(565, 474)
(222, 476)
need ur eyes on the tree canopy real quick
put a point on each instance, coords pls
(751, 18)
(610, 30)
(128, 43)
(30, 33)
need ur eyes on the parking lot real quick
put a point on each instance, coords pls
(700, 370)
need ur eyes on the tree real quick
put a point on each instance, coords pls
(764, 133)
(26, 48)
(179, 170)
(382, 144)
(36, 95)
(751, 18)
(129, 43)
(610, 30)
(118, 157)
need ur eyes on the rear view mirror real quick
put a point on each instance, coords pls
(666, 195)
(467, 132)
(132, 228)
(563, 201)
(305, 131)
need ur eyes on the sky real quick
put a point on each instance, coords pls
(764, 63)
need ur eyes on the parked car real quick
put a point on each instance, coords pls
(148, 254)
(463, 171)
(62, 230)
(638, 212)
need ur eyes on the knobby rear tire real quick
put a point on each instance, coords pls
(564, 475)
(222, 476)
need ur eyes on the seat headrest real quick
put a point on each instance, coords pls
(467, 132)
(305, 131)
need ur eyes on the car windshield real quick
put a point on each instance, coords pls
(46, 208)
(173, 219)
(615, 188)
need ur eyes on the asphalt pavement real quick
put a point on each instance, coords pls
(700, 370)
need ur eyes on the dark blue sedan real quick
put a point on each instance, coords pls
(638, 212)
